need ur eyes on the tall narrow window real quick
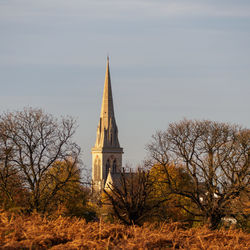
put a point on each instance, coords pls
(107, 167)
(97, 169)
(114, 166)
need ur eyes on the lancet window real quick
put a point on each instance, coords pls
(107, 167)
(114, 166)
(97, 169)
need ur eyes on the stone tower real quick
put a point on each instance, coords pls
(107, 153)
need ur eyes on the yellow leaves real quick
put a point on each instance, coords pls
(163, 175)
(165, 179)
(62, 169)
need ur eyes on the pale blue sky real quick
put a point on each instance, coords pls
(169, 60)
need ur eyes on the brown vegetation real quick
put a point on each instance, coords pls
(36, 232)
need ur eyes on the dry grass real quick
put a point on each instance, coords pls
(35, 232)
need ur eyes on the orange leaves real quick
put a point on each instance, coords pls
(65, 233)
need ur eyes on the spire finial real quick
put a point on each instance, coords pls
(108, 57)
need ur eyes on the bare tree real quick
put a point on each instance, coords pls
(36, 141)
(216, 156)
(10, 182)
(131, 197)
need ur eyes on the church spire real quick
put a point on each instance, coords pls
(107, 110)
(107, 153)
(107, 132)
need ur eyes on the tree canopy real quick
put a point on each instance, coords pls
(31, 143)
(216, 157)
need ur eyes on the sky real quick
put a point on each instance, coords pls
(169, 60)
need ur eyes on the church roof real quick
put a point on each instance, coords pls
(115, 179)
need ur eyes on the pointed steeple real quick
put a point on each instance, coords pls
(107, 110)
(107, 153)
(107, 132)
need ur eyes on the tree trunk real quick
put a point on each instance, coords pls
(214, 220)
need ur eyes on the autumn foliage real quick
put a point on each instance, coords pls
(173, 208)
(216, 156)
(36, 232)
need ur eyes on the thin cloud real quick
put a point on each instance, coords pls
(113, 9)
